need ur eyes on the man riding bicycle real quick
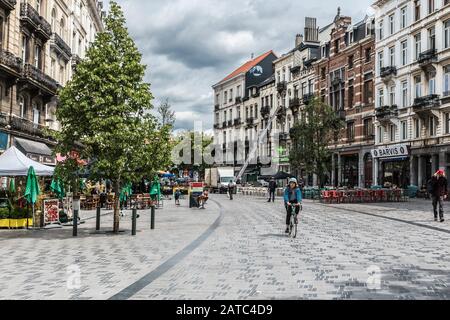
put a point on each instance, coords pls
(292, 196)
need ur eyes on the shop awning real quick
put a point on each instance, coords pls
(33, 147)
(14, 163)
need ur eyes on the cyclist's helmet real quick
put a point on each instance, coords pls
(293, 180)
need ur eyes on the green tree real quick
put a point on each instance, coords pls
(104, 108)
(165, 113)
(312, 135)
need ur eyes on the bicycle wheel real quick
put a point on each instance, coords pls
(293, 228)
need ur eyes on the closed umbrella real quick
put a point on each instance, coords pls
(12, 186)
(32, 190)
(58, 188)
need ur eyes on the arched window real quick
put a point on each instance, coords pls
(53, 20)
(36, 112)
(62, 26)
(22, 107)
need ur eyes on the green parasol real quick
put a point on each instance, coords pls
(12, 186)
(32, 191)
(155, 191)
(126, 192)
(57, 187)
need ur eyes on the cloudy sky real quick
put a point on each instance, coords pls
(189, 45)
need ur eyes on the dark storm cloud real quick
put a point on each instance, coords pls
(189, 45)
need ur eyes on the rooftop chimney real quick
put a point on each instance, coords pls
(298, 40)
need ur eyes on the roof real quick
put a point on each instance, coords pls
(267, 81)
(247, 66)
(34, 147)
(13, 163)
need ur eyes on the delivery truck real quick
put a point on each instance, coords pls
(217, 179)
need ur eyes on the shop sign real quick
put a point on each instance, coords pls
(197, 187)
(51, 211)
(400, 150)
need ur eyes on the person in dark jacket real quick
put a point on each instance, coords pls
(439, 193)
(272, 189)
(231, 188)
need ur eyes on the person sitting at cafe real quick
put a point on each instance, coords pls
(203, 199)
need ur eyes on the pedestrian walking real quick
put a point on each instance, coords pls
(231, 187)
(439, 192)
(177, 197)
(272, 189)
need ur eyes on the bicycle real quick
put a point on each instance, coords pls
(293, 226)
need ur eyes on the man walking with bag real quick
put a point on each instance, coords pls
(439, 193)
(272, 189)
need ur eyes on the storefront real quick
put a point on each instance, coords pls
(392, 166)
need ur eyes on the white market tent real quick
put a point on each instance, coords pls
(14, 163)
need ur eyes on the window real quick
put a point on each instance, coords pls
(380, 30)
(238, 91)
(392, 95)
(418, 86)
(403, 17)
(225, 97)
(416, 10)
(380, 61)
(24, 49)
(392, 133)
(447, 123)
(416, 128)
(336, 46)
(380, 134)
(231, 95)
(404, 46)
(350, 62)
(368, 91)
(431, 6)
(61, 75)
(404, 126)
(432, 83)
(447, 34)
(392, 56)
(37, 57)
(323, 73)
(38, 6)
(22, 107)
(351, 131)
(53, 68)
(53, 20)
(431, 126)
(404, 94)
(368, 128)
(432, 38)
(36, 114)
(417, 46)
(446, 90)
(380, 97)
(391, 24)
(351, 93)
(368, 54)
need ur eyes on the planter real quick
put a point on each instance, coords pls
(4, 223)
(19, 223)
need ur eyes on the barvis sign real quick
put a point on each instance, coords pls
(400, 150)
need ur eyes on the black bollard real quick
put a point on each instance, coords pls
(75, 223)
(97, 225)
(133, 222)
(152, 218)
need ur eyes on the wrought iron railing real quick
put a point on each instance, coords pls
(8, 4)
(61, 44)
(30, 15)
(11, 61)
(31, 72)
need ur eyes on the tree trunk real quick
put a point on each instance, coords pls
(116, 206)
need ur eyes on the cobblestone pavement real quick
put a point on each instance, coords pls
(237, 250)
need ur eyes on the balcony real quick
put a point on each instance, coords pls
(386, 113)
(11, 64)
(446, 97)
(386, 73)
(238, 100)
(296, 69)
(307, 98)
(250, 122)
(294, 105)
(224, 125)
(255, 95)
(26, 126)
(282, 86)
(31, 18)
(40, 79)
(283, 137)
(8, 5)
(217, 126)
(230, 123)
(265, 112)
(427, 58)
(60, 46)
(427, 105)
(237, 122)
(281, 115)
(217, 107)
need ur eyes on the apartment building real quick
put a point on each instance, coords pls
(41, 42)
(345, 80)
(238, 111)
(412, 91)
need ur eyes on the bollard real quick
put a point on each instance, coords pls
(133, 222)
(97, 225)
(152, 218)
(75, 223)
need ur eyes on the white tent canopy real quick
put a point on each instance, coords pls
(14, 163)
